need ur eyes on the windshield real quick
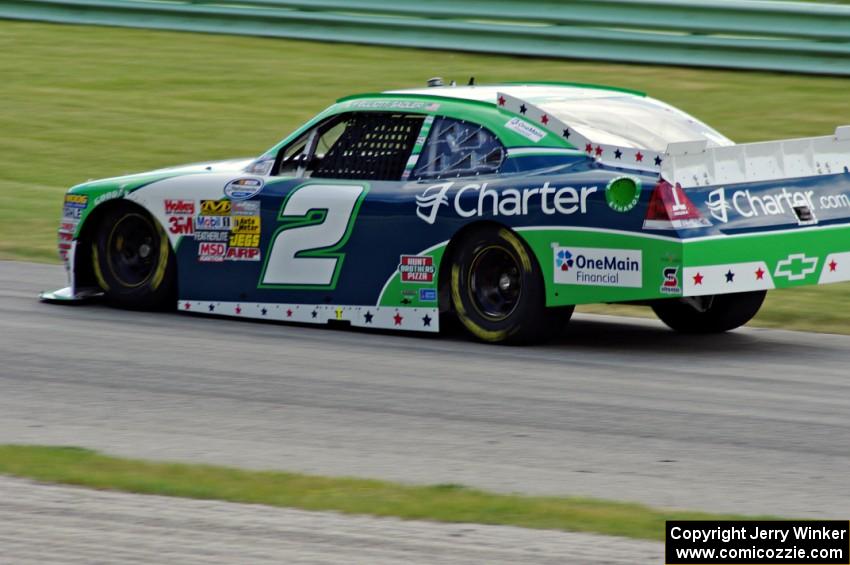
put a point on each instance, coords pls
(629, 121)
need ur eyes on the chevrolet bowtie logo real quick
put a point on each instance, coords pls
(796, 267)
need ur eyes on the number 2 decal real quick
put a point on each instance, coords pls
(304, 251)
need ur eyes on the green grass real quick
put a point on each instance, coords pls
(440, 503)
(89, 102)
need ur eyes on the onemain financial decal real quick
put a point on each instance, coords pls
(475, 199)
(591, 266)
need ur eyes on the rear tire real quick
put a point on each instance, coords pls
(497, 290)
(710, 314)
(132, 260)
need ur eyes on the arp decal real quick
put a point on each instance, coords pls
(242, 254)
(598, 267)
(417, 268)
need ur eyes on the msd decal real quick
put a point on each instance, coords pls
(474, 200)
(591, 266)
(416, 268)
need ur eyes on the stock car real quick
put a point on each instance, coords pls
(502, 206)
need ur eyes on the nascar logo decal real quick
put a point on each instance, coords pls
(243, 189)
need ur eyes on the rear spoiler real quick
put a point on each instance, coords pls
(691, 163)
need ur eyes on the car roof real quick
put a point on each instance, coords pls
(534, 93)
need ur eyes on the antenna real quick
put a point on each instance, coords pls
(471, 81)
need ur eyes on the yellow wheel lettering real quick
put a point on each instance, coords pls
(96, 266)
(456, 290)
(159, 274)
(474, 329)
(509, 236)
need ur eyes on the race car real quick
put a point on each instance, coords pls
(503, 206)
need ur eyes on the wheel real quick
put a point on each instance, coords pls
(132, 260)
(497, 290)
(710, 314)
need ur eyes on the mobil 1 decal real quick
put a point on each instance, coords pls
(592, 266)
(315, 222)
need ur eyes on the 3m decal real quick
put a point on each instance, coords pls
(179, 207)
(671, 284)
(181, 225)
(417, 268)
(474, 199)
(317, 222)
(244, 188)
(598, 267)
(215, 207)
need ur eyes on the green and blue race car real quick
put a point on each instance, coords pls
(502, 205)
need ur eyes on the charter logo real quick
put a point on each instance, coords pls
(718, 205)
(591, 266)
(475, 200)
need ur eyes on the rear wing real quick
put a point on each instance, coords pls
(692, 164)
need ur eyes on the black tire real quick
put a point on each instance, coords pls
(710, 314)
(132, 260)
(497, 290)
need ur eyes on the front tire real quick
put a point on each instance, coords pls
(497, 290)
(710, 314)
(132, 260)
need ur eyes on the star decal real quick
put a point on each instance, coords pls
(832, 266)
(502, 100)
(544, 120)
(730, 276)
(398, 318)
(618, 154)
(187, 306)
(698, 278)
(289, 313)
(314, 313)
(426, 320)
(264, 311)
(588, 148)
(212, 307)
(523, 109)
(639, 157)
(238, 309)
(658, 161)
(566, 133)
(598, 150)
(368, 315)
(760, 274)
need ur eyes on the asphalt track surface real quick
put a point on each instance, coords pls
(754, 422)
(44, 524)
